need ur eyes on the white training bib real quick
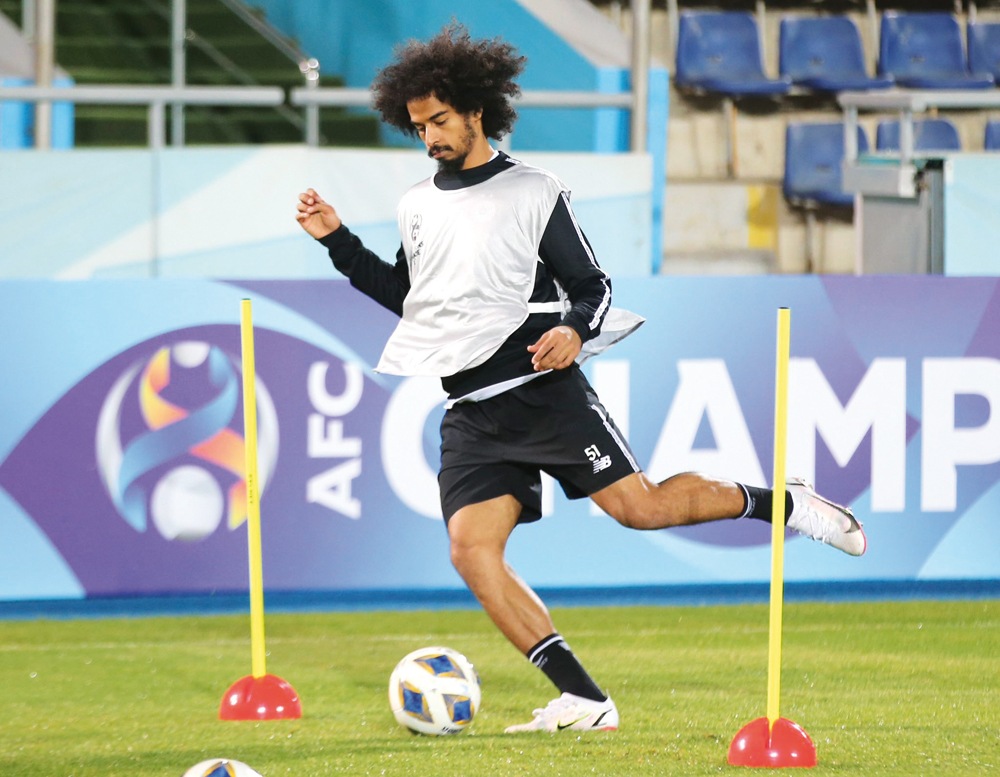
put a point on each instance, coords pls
(471, 254)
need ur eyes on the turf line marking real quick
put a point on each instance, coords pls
(481, 638)
(428, 638)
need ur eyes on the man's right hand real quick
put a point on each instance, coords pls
(317, 217)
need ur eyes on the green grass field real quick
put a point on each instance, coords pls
(883, 688)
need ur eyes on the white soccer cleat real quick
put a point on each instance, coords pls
(574, 713)
(823, 520)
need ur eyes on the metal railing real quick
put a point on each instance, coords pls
(308, 66)
(38, 26)
(38, 17)
(183, 37)
(345, 97)
(534, 98)
(907, 102)
(155, 97)
(898, 179)
(158, 97)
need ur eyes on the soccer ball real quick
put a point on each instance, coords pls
(434, 690)
(221, 767)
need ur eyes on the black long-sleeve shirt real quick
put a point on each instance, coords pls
(566, 259)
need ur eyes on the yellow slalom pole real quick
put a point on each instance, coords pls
(259, 696)
(253, 504)
(778, 519)
(775, 741)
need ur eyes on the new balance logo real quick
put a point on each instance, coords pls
(602, 463)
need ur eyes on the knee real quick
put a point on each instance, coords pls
(478, 535)
(472, 557)
(461, 556)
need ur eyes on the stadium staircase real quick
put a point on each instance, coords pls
(128, 42)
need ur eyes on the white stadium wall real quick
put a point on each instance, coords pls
(229, 213)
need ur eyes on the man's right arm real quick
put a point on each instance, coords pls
(385, 283)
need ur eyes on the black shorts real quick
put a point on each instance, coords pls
(499, 446)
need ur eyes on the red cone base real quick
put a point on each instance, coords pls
(260, 698)
(787, 744)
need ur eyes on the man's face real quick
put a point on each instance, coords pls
(448, 134)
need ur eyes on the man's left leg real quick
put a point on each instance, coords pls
(606, 469)
(691, 498)
(682, 500)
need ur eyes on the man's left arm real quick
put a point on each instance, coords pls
(567, 254)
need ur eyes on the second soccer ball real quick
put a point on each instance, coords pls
(221, 767)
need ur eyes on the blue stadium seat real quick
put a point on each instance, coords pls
(925, 51)
(928, 135)
(720, 52)
(984, 48)
(824, 53)
(814, 154)
(991, 140)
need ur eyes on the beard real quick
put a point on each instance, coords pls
(457, 162)
(452, 165)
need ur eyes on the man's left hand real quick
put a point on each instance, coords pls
(556, 349)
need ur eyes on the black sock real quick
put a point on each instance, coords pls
(759, 502)
(553, 656)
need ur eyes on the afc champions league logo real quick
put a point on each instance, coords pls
(165, 444)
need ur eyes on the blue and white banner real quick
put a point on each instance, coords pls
(121, 440)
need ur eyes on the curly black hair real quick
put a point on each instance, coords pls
(469, 75)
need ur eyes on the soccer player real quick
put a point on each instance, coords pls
(499, 295)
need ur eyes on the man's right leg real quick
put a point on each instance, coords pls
(479, 534)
